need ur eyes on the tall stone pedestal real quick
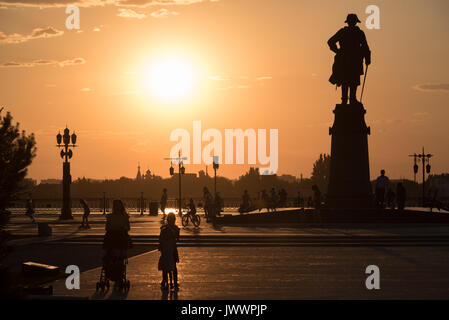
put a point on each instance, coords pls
(349, 181)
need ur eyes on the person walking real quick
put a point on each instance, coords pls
(30, 209)
(168, 238)
(317, 202)
(208, 204)
(85, 223)
(382, 183)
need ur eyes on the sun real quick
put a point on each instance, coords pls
(170, 79)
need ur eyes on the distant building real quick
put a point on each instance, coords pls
(147, 175)
(30, 182)
(185, 177)
(287, 177)
(51, 181)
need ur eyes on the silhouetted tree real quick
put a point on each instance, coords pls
(320, 172)
(17, 150)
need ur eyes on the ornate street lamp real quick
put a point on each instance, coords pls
(425, 158)
(63, 142)
(181, 171)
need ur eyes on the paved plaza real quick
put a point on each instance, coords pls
(251, 262)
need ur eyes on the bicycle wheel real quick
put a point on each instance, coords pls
(185, 220)
(196, 220)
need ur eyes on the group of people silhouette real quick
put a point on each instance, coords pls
(270, 201)
(385, 197)
(117, 241)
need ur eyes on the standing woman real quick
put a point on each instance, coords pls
(85, 223)
(117, 228)
(169, 253)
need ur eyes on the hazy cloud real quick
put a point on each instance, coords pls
(264, 78)
(163, 13)
(147, 3)
(55, 3)
(37, 33)
(435, 87)
(128, 13)
(92, 3)
(41, 62)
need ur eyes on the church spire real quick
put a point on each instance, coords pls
(139, 175)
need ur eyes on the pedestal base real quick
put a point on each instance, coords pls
(349, 180)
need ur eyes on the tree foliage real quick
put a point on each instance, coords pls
(17, 151)
(321, 171)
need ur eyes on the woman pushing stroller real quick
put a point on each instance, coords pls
(116, 243)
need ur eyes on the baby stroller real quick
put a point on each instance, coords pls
(114, 269)
(115, 261)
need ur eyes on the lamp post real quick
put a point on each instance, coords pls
(63, 142)
(216, 165)
(181, 171)
(425, 158)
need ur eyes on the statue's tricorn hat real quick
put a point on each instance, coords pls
(352, 17)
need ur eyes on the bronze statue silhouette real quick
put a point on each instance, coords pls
(348, 62)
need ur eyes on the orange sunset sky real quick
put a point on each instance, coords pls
(261, 64)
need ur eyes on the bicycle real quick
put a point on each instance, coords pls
(194, 218)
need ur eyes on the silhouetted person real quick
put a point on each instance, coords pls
(30, 209)
(309, 202)
(164, 201)
(192, 207)
(348, 62)
(433, 200)
(85, 223)
(218, 204)
(208, 203)
(273, 200)
(382, 183)
(390, 197)
(169, 253)
(401, 196)
(265, 200)
(117, 227)
(316, 197)
(246, 202)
